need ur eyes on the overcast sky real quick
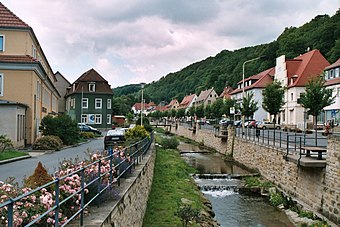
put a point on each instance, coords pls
(135, 41)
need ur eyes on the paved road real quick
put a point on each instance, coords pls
(22, 168)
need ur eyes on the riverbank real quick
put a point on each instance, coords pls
(173, 188)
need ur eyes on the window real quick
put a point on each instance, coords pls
(92, 87)
(108, 119)
(85, 103)
(109, 103)
(1, 84)
(98, 119)
(38, 90)
(98, 103)
(291, 96)
(84, 118)
(326, 75)
(337, 72)
(34, 52)
(2, 43)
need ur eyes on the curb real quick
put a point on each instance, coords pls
(15, 159)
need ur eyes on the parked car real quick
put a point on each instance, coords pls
(238, 123)
(226, 122)
(114, 137)
(268, 125)
(87, 128)
(251, 124)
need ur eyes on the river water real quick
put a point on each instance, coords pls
(215, 179)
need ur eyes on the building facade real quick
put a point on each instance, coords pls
(26, 78)
(89, 100)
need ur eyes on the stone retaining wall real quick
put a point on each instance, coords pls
(131, 207)
(318, 188)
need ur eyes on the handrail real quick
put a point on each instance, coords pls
(140, 147)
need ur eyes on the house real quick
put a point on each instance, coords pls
(294, 74)
(255, 84)
(206, 97)
(118, 119)
(226, 93)
(332, 81)
(27, 82)
(89, 100)
(61, 84)
(173, 105)
(187, 102)
(137, 108)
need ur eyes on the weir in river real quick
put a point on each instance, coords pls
(219, 181)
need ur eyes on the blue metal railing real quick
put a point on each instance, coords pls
(116, 171)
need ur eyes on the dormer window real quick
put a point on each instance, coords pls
(326, 75)
(337, 72)
(2, 43)
(92, 87)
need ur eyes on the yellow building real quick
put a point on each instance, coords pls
(26, 79)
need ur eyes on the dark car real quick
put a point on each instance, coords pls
(87, 128)
(114, 137)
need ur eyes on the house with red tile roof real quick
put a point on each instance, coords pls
(26, 80)
(206, 97)
(187, 102)
(294, 74)
(332, 81)
(226, 93)
(255, 84)
(173, 105)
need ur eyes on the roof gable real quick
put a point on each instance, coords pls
(334, 65)
(9, 20)
(204, 95)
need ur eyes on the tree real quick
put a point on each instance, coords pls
(249, 106)
(192, 111)
(200, 111)
(273, 95)
(315, 98)
(207, 111)
(180, 113)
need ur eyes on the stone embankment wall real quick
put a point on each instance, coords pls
(131, 207)
(318, 188)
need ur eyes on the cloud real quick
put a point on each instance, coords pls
(134, 41)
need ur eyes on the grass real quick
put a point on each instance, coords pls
(170, 184)
(11, 154)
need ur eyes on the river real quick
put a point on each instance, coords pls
(215, 179)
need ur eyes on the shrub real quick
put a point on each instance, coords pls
(62, 126)
(276, 198)
(87, 135)
(39, 178)
(5, 143)
(47, 143)
(187, 213)
(137, 132)
(169, 143)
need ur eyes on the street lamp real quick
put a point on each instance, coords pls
(243, 67)
(142, 104)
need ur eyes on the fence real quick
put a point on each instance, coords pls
(292, 142)
(94, 178)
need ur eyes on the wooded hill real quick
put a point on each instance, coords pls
(322, 33)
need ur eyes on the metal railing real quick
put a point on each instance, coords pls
(292, 142)
(118, 168)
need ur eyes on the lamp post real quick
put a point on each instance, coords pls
(141, 112)
(243, 69)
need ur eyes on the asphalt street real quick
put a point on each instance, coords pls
(20, 169)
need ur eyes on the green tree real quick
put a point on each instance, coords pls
(200, 111)
(249, 106)
(180, 113)
(273, 95)
(315, 98)
(207, 111)
(192, 111)
(62, 126)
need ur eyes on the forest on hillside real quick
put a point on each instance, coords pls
(322, 33)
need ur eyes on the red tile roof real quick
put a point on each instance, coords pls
(204, 95)
(262, 79)
(226, 93)
(9, 19)
(306, 66)
(332, 81)
(138, 106)
(187, 100)
(334, 65)
(17, 59)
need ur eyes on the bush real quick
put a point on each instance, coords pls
(169, 143)
(5, 143)
(62, 126)
(187, 213)
(39, 178)
(276, 198)
(87, 135)
(48, 143)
